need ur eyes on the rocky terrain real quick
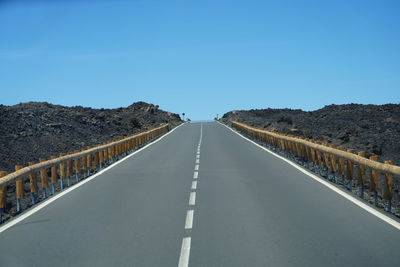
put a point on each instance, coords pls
(34, 130)
(371, 128)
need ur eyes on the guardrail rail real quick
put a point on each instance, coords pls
(56, 173)
(353, 171)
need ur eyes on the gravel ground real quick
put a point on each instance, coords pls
(34, 130)
(374, 129)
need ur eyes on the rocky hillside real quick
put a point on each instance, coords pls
(371, 128)
(34, 130)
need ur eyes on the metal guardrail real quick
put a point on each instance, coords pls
(66, 166)
(334, 160)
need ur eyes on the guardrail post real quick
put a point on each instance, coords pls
(53, 177)
(349, 170)
(342, 167)
(77, 169)
(3, 196)
(305, 155)
(112, 154)
(33, 184)
(105, 156)
(69, 172)
(308, 156)
(109, 156)
(43, 180)
(313, 157)
(117, 151)
(334, 166)
(326, 163)
(136, 142)
(374, 180)
(101, 158)
(88, 163)
(133, 143)
(84, 161)
(96, 160)
(63, 172)
(320, 161)
(388, 187)
(361, 175)
(19, 189)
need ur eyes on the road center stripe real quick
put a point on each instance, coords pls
(194, 185)
(185, 252)
(192, 198)
(189, 220)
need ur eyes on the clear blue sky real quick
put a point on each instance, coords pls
(200, 57)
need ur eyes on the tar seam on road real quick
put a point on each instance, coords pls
(66, 191)
(186, 241)
(357, 202)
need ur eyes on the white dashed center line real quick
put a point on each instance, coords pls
(185, 252)
(192, 199)
(186, 241)
(189, 220)
(194, 185)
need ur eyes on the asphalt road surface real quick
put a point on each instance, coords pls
(201, 196)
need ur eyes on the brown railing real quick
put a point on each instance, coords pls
(370, 174)
(61, 169)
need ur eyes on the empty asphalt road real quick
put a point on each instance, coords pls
(201, 196)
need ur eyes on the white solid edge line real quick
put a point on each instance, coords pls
(195, 175)
(194, 185)
(358, 202)
(192, 198)
(185, 252)
(40, 206)
(189, 220)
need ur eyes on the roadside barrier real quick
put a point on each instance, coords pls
(62, 169)
(353, 171)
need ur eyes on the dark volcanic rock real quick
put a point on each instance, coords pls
(371, 128)
(34, 130)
